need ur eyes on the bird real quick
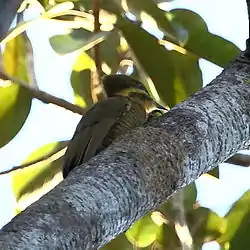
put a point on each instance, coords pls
(128, 106)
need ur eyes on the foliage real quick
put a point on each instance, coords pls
(167, 66)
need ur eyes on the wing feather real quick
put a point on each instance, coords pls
(92, 130)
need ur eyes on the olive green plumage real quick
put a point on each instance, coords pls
(127, 107)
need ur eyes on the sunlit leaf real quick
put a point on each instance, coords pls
(15, 101)
(238, 227)
(77, 39)
(32, 182)
(201, 42)
(157, 14)
(175, 75)
(205, 225)
(81, 79)
(143, 232)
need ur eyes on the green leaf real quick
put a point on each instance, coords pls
(35, 180)
(143, 232)
(152, 10)
(81, 80)
(238, 227)
(188, 77)
(109, 51)
(175, 75)
(215, 172)
(189, 196)
(205, 225)
(202, 43)
(15, 101)
(77, 39)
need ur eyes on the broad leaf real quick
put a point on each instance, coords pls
(143, 232)
(204, 225)
(202, 43)
(175, 75)
(77, 39)
(215, 172)
(32, 182)
(15, 101)
(109, 51)
(81, 79)
(238, 227)
(152, 10)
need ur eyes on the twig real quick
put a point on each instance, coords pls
(181, 226)
(239, 159)
(44, 96)
(96, 13)
(96, 87)
(50, 157)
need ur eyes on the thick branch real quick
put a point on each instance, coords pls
(140, 170)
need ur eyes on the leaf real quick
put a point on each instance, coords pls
(15, 101)
(188, 77)
(189, 195)
(175, 75)
(77, 39)
(215, 172)
(152, 9)
(204, 225)
(237, 230)
(143, 232)
(202, 43)
(35, 180)
(109, 51)
(80, 80)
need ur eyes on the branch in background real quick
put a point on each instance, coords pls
(43, 96)
(96, 86)
(97, 56)
(239, 159)
(48, 158)
(8, 10)
(181, 226)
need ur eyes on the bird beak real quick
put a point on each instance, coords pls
(156, 106)
(160, 107)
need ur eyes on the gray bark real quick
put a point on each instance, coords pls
(103, 197)
(8, 10)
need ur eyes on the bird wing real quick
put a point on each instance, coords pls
(92, 130)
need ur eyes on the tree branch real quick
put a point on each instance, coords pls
(140, 170)
(239, 159)
(48, 158)
(43, 96)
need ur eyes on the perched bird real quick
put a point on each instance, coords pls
(128, 106)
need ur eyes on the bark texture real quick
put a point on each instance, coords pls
(140, 170)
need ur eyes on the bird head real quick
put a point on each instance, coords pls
(124, 85)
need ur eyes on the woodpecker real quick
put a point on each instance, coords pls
(128, 106)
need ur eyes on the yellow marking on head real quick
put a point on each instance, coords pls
(127, 91)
